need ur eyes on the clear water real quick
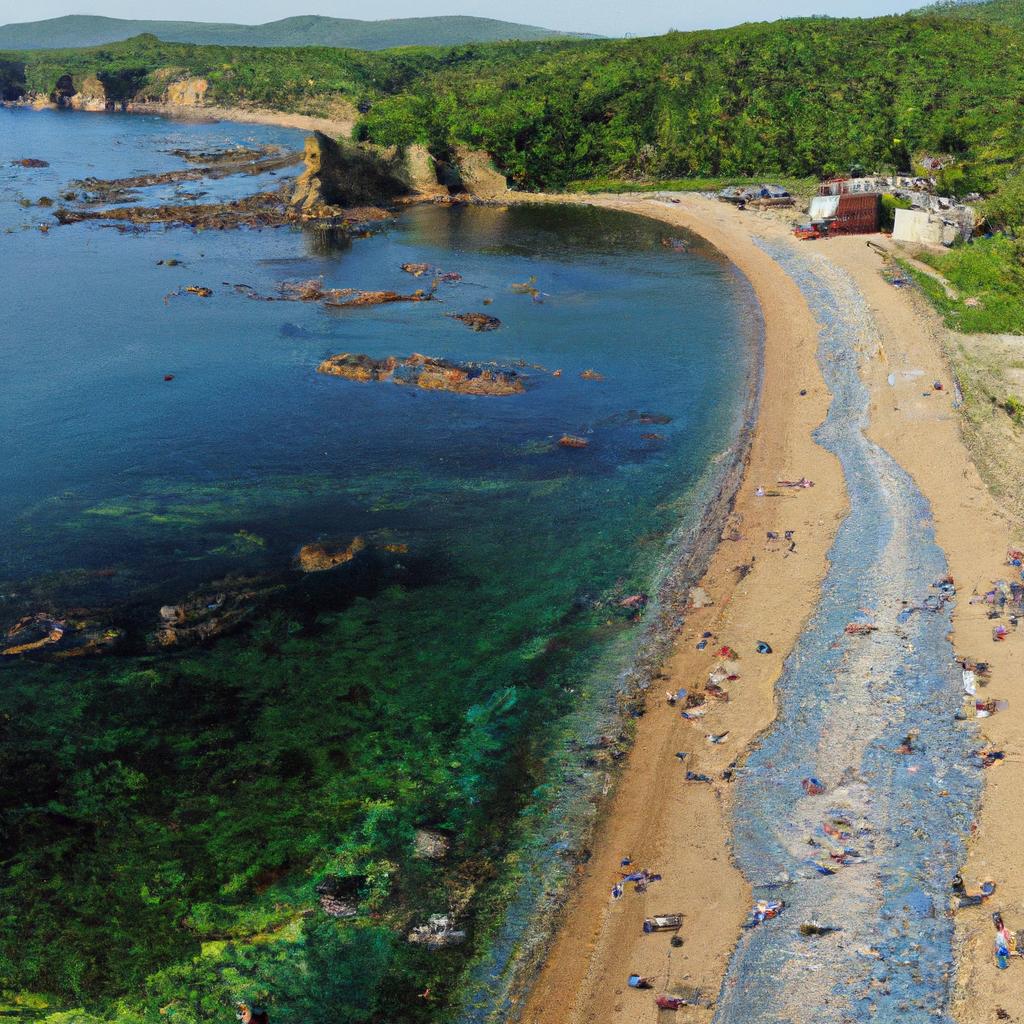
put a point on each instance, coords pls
(122, 491)
(846, 702)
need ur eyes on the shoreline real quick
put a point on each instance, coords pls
(335, 127)
(592, 946)
(683, 830)
(498, 982)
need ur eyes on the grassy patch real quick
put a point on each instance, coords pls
(989, 270)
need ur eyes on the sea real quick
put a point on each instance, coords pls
(163, 449)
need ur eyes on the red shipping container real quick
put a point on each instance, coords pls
(857, 214)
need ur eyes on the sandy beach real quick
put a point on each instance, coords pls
(682, 830)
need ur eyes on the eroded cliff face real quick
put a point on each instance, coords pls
(339, 176)
(186, 92)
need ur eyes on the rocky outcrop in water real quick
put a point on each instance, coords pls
(211, 613)
(320, 557)
(58, 636)
(477, 321)
(338, 175)
(424, 372)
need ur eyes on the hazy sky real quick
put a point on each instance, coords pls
(606, 17)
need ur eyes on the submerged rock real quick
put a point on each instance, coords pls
(572, 441)
(431, 844)
(416, 269)
(320, 557)
(69, 636)
(438, 933)
(478, 321)
(338, 896)
(208, 614)
(424, 372)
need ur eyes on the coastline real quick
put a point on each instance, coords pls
(334, 126)
(683, 830)
(499, 978)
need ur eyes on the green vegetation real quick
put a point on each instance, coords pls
(998, 12)
(165, 820)
(304, 30)
(988, 277)
(795, 98)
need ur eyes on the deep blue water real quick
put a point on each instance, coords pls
(100, 452)
(123, 490)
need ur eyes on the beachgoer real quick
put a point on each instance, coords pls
(638, 981)
(759, 493)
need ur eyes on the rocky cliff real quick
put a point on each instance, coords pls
(339, 175)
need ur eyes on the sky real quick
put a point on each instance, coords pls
(604, 17)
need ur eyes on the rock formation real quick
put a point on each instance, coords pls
(478, 321)
(424, 372)
(339, 176)
(321, 557)
(43, 633)
(208, 614)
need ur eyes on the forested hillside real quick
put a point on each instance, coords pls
(805, 96)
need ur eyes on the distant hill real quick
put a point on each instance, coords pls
(304, 30)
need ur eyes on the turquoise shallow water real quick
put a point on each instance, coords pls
(430, 681)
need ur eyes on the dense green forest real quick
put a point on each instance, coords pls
(301, 30)
(799, 97)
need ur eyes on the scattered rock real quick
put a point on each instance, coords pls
(30, 161)
(478, 321)
(321, 557)
(591, 375)
(339, 897)
(571, 441)
(263, 209)
(424, 372)
(438, 933)
(208, 614)
(430, 844)
(416, 269)
(43, 633)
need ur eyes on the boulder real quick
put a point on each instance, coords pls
(430, 844)
(321, 557)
